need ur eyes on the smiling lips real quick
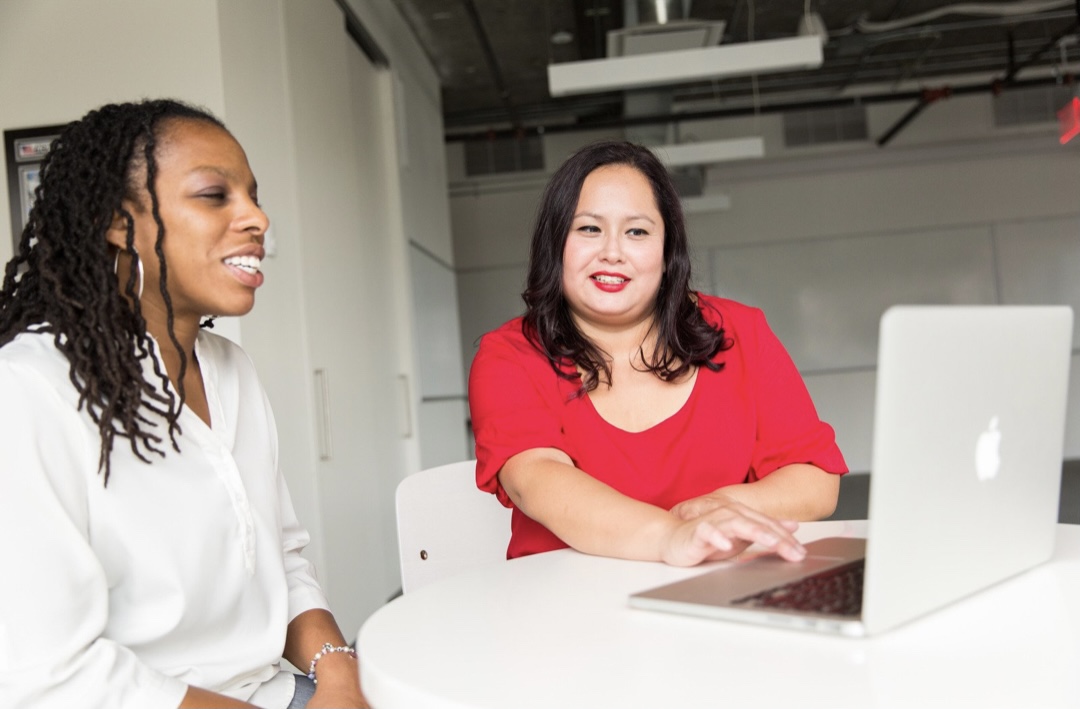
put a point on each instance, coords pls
(609, 282)
(246, 269)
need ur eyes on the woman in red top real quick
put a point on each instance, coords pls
(626, 415)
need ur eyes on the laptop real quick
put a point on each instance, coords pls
(969, 433)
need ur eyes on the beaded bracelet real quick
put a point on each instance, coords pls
(326, 649)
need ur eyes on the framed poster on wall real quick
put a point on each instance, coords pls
(25, 149)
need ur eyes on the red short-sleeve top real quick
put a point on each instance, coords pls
(738, 425)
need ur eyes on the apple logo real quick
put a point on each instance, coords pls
(987, 455)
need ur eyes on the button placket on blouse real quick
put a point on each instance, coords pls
(225, 466)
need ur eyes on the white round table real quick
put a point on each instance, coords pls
(554, 631)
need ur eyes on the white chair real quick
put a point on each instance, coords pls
(446, 525)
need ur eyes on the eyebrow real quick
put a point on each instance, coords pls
(211, 168)
(632, 217)
(222, 172)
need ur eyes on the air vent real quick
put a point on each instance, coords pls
(820, 126)
(501, 155)
(1035, 104)
(670, 37)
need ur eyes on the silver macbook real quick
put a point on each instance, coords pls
(968, 442)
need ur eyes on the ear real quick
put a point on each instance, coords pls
(116, 235)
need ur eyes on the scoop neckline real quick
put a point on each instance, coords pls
(676, 414)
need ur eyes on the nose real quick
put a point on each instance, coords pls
(611, 249)
(253, 219)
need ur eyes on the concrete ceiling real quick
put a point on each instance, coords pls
(492, 55)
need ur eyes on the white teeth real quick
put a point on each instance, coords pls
(249, 264)
(609, 279)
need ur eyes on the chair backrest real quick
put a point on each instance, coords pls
(446, 525)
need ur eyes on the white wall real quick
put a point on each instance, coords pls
(266, 67)
(59, 59)
(824, 238)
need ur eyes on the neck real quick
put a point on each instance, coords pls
(622, 341)
(156, 315)
(186, 332)
(186, 329)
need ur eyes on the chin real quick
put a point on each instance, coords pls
(234, 310)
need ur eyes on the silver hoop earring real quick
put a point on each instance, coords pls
(138, 265)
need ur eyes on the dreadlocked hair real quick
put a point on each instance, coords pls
(62, 281)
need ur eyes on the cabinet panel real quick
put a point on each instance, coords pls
(438, 331)
(489, 297)
(445, 438)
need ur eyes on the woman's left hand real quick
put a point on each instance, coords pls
(697, 506)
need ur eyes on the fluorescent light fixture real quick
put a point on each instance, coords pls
(710, 151)
(684, 65)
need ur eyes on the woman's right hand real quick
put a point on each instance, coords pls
(725, 532)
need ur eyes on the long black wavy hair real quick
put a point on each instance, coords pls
(62, 281)
(684, 338)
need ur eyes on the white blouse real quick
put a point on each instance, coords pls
(184, 571)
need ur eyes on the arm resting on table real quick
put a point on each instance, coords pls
(800, 492)
(596, 519)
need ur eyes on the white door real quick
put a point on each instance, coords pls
(340, 104)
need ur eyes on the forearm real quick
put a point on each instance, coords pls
(585, 513)
(204, 699)
(799, 492)
(306, 635)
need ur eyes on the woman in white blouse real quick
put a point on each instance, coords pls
(152, 553)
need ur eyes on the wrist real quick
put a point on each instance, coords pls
(332, 661)
(668, 530)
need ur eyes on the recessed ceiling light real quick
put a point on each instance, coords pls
(562, 37)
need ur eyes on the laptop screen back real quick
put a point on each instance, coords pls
(968, 439)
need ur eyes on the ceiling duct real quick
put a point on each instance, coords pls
(660, 26)
(653, 27)
(650, 53)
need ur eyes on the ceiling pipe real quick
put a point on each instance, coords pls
(622, 122)
(996, 86)
(492, 62)
(653, 12)
(927, 97)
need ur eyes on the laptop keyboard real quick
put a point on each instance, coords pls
(837, 591)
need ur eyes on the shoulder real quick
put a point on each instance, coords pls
(225, 353)
(506, 360)
(508, 339)
(729, 314)
(35, 357)
(36, 388)
(31, 346)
